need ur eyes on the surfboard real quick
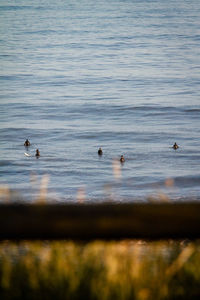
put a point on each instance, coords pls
(26, 154)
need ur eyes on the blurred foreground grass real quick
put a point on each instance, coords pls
(100, 270)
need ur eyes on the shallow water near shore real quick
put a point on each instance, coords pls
(121, 75)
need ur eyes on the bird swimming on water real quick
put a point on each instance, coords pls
(100, 152)
(175, 146)
(27, 143)
(122, 159)
(37, 153)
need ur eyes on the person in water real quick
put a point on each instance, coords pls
(27, 143)
(122, 159)
(100, 152)
(37, 153)
(175, 146)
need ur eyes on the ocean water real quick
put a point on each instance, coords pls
(121, 75)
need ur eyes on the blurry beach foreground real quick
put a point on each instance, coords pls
(99, 268)
(127, 269)
(96, 269)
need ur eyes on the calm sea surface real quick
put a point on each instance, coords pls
(121, 75)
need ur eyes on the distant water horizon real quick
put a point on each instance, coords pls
(120, 75)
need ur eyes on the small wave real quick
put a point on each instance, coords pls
(5, 163)
(181, 182)
(192, 110)
(148, 108)
(14, 7)
(41, 32)
(108, 109)
(189, 181)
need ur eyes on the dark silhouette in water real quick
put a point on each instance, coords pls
(175, 146)
(122, 159)
(100, 152)
(37, 154)
(27, 143)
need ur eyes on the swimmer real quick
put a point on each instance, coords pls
(175, 146)
(100, 152)
(122, 159)
(27, 143)
(37, 153)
